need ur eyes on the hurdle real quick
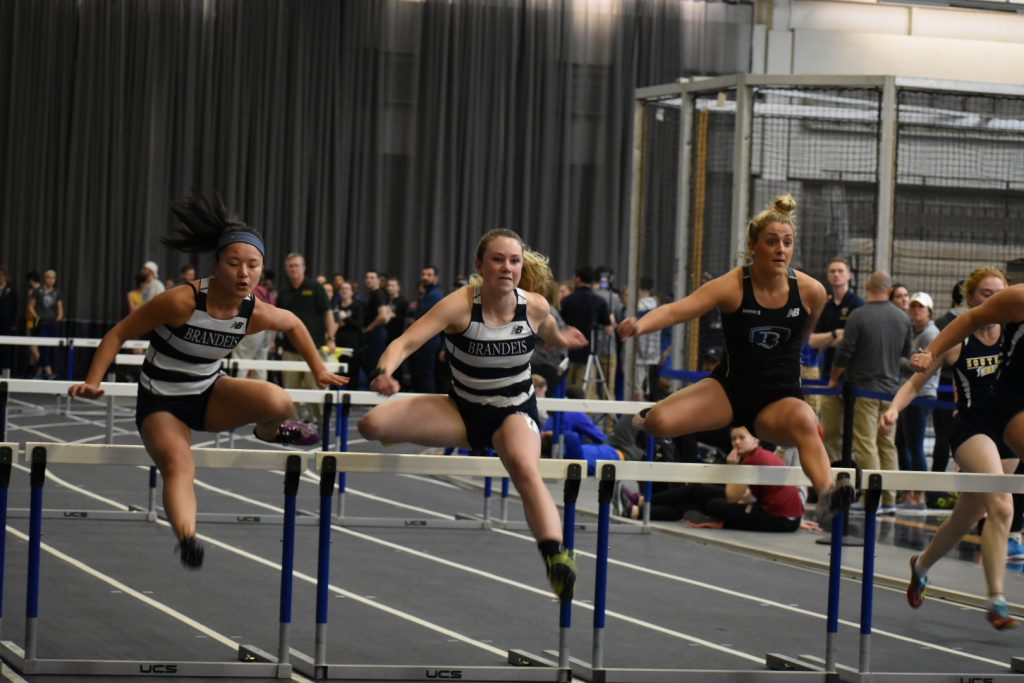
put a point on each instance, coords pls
(877, 481)
(520, 666)
(778, 667)
(25, 659)
(152, 511)
(485, 518)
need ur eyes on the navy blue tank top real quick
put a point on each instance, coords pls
(763, 345)
(975, 372)
(1010, 383)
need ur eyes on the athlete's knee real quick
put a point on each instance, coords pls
(280, 404)
(371, 426)
(175, 465)
(1000, 508)
(521, 468)
(657, 422)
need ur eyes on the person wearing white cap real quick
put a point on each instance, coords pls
(153, 285)
(914, 418)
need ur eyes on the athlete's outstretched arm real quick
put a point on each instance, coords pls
(453, 310)
(267, 317)
(704, 299)
(1002, 307)
(171, 307)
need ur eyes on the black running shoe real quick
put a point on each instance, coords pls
(837, 498)
(192, 552)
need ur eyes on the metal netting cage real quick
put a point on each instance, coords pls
(920, 178)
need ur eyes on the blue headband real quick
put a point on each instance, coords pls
(241, 236)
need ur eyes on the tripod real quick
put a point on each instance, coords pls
(594, 372)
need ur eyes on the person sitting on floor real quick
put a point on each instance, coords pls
(754, 508)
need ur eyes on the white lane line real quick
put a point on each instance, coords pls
(697, 584)
(303, 577)
(311, 478)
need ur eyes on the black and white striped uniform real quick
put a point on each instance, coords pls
(490, 369)
(185, 360)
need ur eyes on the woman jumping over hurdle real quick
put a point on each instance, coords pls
(489, 331)
(768, 310)
(988, 431)
(191, 329)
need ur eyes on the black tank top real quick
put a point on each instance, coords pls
(762, 345)
(975, 372)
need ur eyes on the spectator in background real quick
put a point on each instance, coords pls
(900, 297)
(827, 334)
(648, 346)
(588, 313)
(378, 315)
(942, 418)
(548, 361)
(349, 314)
(135, 295)
(305, 298)
(32, 282)
(396, 325)
(877, 337)
(426, 358)
(153, 285)
(47, 307)
(8, 318)
(187, 274)
(914, 418)
(337, 280)
(608, 342)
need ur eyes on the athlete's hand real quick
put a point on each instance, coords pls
(85, 390)
(921, 361)
(327, 378)
(385, 385)
(573, 338)
(887, 421)
(628, 328)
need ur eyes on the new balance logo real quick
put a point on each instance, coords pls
(518, 329)
(237, 325)
(793, 313)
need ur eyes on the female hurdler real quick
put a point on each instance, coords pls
(191, 328)
(997, 420)
(768, 310)
(489, 333)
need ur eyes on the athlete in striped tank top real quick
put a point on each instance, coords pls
(769, 310)
(489, 330)
(977, 444)
(191, 329)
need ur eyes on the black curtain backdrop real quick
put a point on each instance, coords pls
(381, 134)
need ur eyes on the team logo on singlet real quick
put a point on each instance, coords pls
(769, 336)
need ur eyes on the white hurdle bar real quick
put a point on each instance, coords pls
(608, 474)
(877, 481)
(519, 667)
(40, 454)
(483, 519)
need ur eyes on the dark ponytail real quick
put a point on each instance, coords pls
(203, 223)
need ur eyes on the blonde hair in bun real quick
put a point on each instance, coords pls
(781, 210)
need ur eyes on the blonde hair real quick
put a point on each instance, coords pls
(536, 271)
(979, 274)
(781, 210)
